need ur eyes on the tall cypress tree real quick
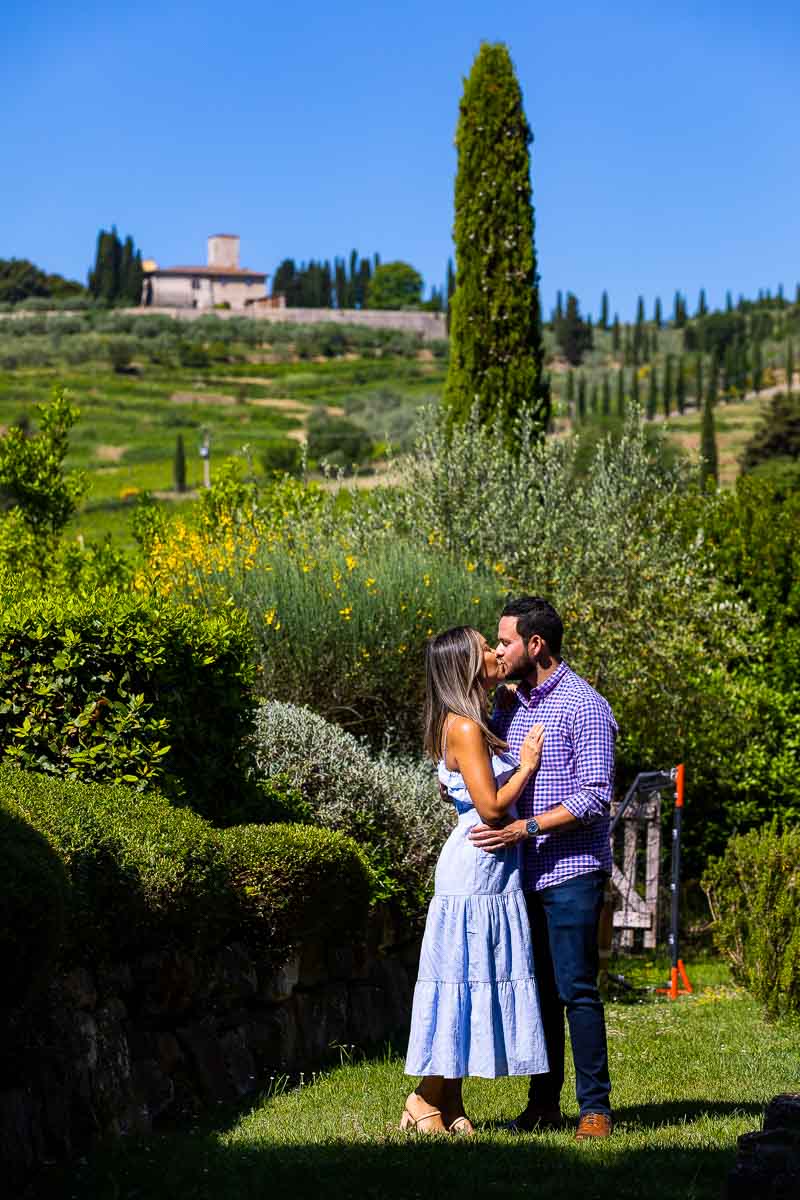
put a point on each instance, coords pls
(126, 258)
(657, 318)
(728, 302)
(496, 349)
(789, 366)
(676, 311)
(570, 395)
(712, 390)
(604, 311)
(652, 395)
(666, 391)
(702, 307)
(640, 311)
(606, 395)
(581, 398)
(758, 367)
(741, 368)
(340, 283)
(729, 370)
(680, 387)
(615, 335)
(620, 393)
(559, 315)
(179, 468)
(698, 377)
(709, 460)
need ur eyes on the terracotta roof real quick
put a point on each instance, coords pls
(209, 272)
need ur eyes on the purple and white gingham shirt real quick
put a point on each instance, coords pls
(577, 770)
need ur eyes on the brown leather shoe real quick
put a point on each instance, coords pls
(593, 1125)
(538, 1117)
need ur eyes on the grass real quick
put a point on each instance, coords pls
(689, 1077)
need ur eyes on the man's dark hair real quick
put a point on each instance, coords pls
(535, 615)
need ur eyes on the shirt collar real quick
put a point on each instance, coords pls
(530, 696)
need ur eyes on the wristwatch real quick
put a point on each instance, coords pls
(532, 827)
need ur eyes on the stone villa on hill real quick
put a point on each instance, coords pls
(222, 281)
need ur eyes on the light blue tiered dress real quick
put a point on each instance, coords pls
(476, 1009)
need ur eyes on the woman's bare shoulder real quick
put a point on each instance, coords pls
(463, 731)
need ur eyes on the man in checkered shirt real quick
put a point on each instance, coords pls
(564, 824)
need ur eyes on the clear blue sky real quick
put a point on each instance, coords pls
(665, 155)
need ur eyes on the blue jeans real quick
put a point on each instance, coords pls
(564, 920)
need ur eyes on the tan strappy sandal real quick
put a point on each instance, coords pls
(461, 1127)
(411, 1124)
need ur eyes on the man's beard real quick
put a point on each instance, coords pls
(523, 669)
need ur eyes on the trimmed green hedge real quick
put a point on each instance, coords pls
(134, 873)
(142, 873)
(121, 688)
(33, 899)
(754, 893)
(294, 882)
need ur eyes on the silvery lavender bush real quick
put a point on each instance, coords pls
(391, 806)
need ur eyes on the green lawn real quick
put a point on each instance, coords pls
(689, 1077)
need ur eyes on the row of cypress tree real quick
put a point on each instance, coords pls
(117, 276)
(322, 285)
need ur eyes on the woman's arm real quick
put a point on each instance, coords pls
(466, 744)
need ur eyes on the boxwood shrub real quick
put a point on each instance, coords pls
(754, 893)
(142, 873)
(294, 882)
(94, 873)
(121, 688)
(33, 900)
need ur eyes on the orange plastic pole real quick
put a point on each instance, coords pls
(678, 970)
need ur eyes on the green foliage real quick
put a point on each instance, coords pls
(32, 477)
(92, 873)
(117, 276)
(778, 435)
(497, 354)
(141, 872)
(20, 280)
(337, 441)
(715, 332)
(709, 458)
(389, 806)
(193, 354)
(394, 285)
(33, 897)
(754, 893)
(357, 619)
(281, 456)
(117, 687)
(574, 335)
(648, 621)
(120, 353)
(179, 466)
(293, 883)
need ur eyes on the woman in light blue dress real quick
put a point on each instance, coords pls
(476, 1010)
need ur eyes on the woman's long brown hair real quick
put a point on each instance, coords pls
(453, 665)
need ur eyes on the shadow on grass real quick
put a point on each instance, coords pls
(552, 1168)
(677, 1112)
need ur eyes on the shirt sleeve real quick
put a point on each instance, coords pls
(593, 735)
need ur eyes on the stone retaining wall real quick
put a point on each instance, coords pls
(108, 1053)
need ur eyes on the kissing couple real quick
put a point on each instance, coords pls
(510, 942)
